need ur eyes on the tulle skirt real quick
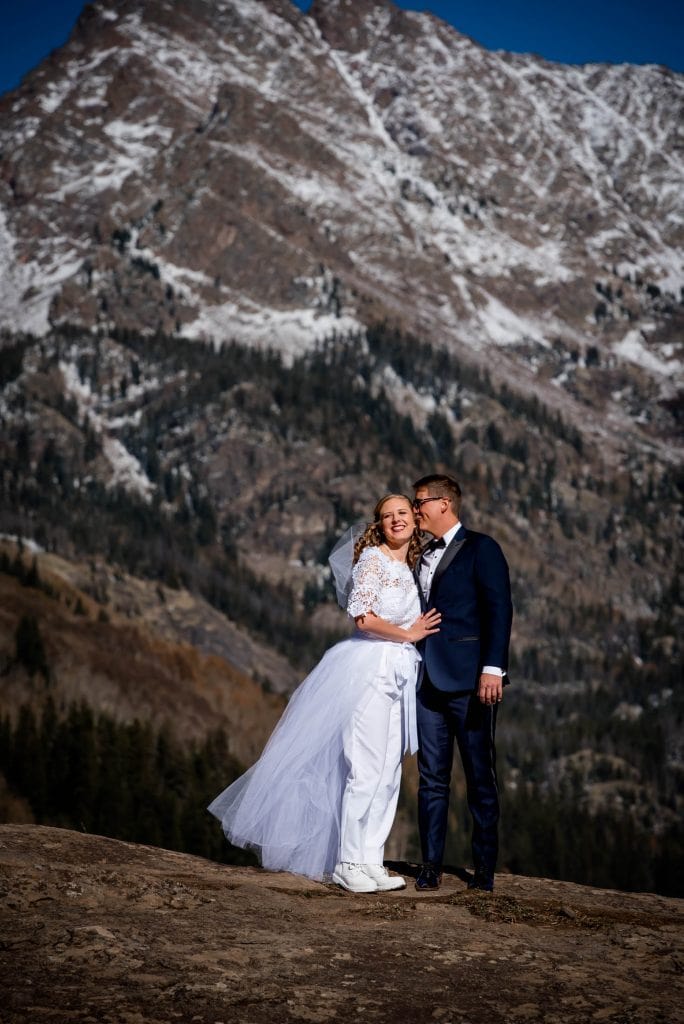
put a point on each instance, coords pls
(287, 807)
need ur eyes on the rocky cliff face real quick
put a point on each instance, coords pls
(98, 929)
(238, 169)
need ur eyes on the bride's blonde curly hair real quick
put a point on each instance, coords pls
(373, 537)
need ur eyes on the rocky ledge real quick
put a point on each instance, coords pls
(93, 929)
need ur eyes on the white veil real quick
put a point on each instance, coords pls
(340, 562)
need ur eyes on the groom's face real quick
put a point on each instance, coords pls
(430, 513)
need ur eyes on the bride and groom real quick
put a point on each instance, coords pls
(424, 667)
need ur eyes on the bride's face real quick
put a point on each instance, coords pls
(397, 521)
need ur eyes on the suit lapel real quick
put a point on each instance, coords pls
(448, 557)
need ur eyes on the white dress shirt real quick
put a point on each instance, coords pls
(426, 574)
(431, 560)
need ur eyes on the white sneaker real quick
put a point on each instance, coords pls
(382, 878)
(353, 878)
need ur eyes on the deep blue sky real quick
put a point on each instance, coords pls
(585, 30)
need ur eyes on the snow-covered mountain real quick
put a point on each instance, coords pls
(236, 169)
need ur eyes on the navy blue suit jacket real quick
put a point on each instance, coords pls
(471, 588)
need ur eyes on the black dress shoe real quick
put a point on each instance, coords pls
(481, 880)
(429, 877)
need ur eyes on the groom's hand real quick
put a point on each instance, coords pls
(490, 690)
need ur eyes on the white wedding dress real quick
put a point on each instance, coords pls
(287, 807)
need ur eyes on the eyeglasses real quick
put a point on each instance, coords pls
(417, 502)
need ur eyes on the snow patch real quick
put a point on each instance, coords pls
(633, 349)
(504, 327)
(405, 397)
(290, 332)
(54, 95)
(26, 289)
(127, 133)
(126, 469)
(25, 542)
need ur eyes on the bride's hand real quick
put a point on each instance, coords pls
(425, 625)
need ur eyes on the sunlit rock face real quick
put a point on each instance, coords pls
(239, 169)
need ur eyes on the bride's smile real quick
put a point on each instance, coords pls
(398, 522)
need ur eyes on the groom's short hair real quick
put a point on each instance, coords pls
(439, 485)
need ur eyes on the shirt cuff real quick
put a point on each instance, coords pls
(492, 670)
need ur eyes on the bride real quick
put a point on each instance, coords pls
(321, 799)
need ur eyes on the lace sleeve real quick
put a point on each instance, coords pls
(368, 580)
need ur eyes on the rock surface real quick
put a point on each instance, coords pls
(99, 930)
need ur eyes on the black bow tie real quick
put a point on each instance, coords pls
(434, 545)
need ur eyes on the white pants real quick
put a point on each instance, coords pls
(373, 751)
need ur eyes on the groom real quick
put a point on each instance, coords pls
(463, 575)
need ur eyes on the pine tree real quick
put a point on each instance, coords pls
(30, 651)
